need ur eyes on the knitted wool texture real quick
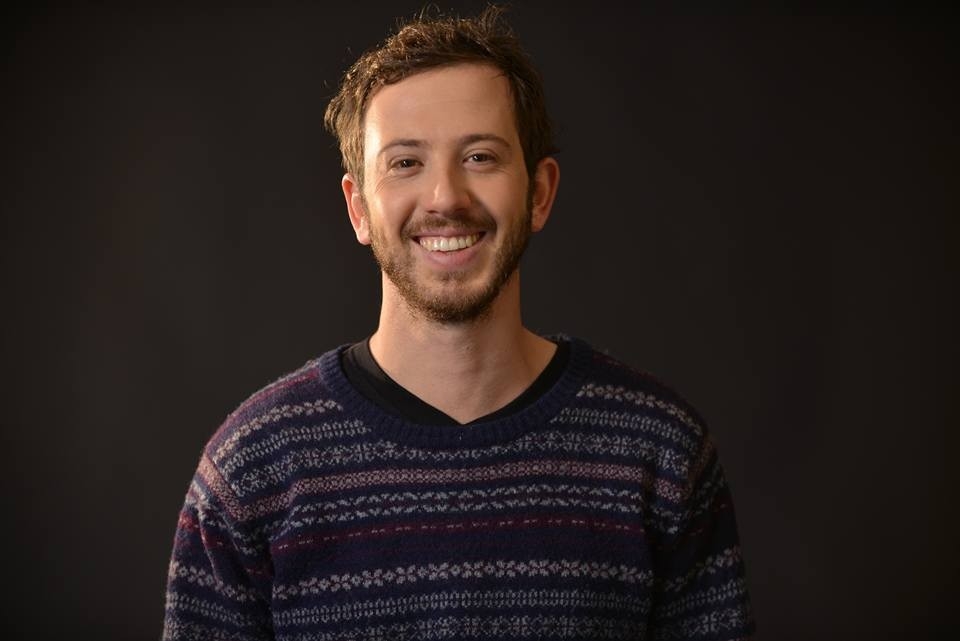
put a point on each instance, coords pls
(600, 511)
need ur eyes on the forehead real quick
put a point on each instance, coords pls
(441, 105)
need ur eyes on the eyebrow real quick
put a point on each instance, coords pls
(469, 139)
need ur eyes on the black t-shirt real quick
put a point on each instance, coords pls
(367, 376)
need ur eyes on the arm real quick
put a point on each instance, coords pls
(219, 576)
(701, 590)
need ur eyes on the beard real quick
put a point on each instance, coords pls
(452, 303)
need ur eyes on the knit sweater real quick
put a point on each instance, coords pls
(599, 511)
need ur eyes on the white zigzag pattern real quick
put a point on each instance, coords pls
(199, 576)
(296, 434)
(726, 560)
(435, 602)
(207, 609)
(594, 418)
(476, 627)
(714, 595)
(280, 412)
(626, 395)
(310, 461)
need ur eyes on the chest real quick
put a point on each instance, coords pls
(515, 542)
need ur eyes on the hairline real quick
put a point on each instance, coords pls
(478, 62)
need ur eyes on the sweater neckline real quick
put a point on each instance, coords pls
(498, 430)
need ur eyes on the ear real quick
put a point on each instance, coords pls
(356, 208)
(545, 183)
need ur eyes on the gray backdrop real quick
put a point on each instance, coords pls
(757, 207)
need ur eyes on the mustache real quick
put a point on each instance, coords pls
(466, 222)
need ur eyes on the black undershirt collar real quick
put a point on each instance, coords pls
(363, 371)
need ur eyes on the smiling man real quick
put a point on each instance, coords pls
(447, 204)
(455, 475)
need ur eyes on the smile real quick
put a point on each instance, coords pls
(447, 243)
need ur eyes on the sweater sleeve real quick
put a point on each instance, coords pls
(219, 575)
(701, 592)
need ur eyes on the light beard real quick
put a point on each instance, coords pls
(459, 306)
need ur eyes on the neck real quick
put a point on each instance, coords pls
(466, 370)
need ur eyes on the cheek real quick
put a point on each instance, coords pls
(390, 210)
(514, 200)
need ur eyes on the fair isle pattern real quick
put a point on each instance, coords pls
(598, 512)
(479, 570)
(489, 627)
(442, 601)
(306, 434)
(201, 577)
(378, 478)
(278, 471)
(622, 394)
(274, 415)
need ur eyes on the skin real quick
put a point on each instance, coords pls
(443, 159)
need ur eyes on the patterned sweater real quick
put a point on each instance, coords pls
(599, 511)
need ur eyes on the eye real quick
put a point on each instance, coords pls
(404, 163)
(480, 157)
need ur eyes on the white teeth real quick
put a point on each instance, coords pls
(444, 244)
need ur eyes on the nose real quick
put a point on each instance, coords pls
(448, 192)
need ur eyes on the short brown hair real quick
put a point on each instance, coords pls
(428, 42)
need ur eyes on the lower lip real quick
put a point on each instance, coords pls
(453, 259)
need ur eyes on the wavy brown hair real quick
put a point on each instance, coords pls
(426, 42)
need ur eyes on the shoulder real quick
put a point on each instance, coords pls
(655, 429)
(266, 422)
(613, 392)
(607, 378)
(300, 391)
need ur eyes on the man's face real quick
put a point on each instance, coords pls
(445, 204)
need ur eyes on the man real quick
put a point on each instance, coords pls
(455, 476)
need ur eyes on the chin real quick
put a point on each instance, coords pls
(454, 309)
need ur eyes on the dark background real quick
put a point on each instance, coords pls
(756, 206)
